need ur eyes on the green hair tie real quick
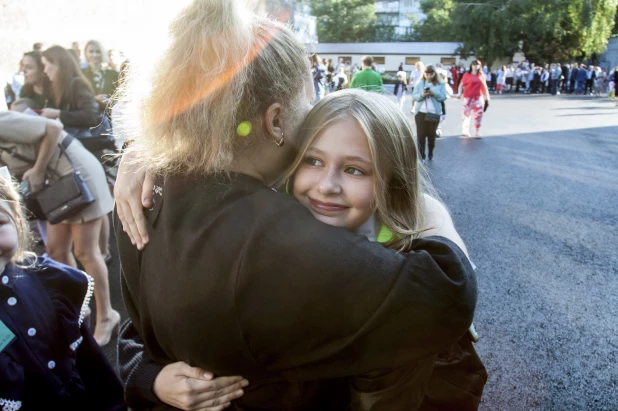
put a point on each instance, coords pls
(243, 129)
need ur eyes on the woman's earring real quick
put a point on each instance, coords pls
(280, 143)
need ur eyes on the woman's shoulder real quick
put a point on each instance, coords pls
(78, 85)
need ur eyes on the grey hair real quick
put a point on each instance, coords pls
(224, 66)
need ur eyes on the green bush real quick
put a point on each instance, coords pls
(389, 78)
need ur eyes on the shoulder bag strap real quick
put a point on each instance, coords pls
(68, 139)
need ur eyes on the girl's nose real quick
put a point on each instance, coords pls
(329, 183)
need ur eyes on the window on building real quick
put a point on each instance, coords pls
(346, 59)
(448, 61)
(378, 60)
(387, 19)
(412, 60)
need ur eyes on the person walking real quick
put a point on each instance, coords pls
(454, 75)
(544, 80)
(341, 80)
(475, 95)
(566, 75)
(615, 81)
(417, 74)
(556, 75)
(429, 94)
(500, 79)
(573, 78)
(318, 71)
(508, 87)
(330, 76)
(401, 87)
(367, 79)
(590, 77)
(581, 79)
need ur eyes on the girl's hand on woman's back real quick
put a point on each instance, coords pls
(192, 389)
(133, 192)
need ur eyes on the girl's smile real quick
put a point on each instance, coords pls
(326, 208)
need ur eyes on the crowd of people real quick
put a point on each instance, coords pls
(555, 78)
(55, 100)
(320, 271)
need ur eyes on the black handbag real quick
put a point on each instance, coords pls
(66, 196)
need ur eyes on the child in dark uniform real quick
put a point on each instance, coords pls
(48, 357)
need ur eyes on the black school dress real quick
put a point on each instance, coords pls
(48, 357)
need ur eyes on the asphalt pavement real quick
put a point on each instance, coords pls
(536, 201)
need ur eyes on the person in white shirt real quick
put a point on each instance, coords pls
(509, 78)
(544, 80)
(449, 94)
(341, 80)
(500, 79)
(530, 78)
(415, 77)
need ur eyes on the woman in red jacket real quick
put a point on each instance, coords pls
(476, 98)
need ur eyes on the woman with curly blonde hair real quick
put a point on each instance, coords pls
(232, 271)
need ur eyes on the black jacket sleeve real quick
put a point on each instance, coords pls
(81, 109)
(137, 370)
(338, 304)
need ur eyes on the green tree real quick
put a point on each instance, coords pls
(546, 30)
(437, 24)
(345, 21)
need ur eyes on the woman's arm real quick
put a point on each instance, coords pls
(83, 110)
(439, 93)
(486, 93)
(49, 142)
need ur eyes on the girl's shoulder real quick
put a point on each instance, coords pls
(66, 285)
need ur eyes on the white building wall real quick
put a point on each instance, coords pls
(391, 62)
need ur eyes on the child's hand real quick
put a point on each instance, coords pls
(191, 388)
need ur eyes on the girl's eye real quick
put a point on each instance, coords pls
(313, 161)
(354, 171)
